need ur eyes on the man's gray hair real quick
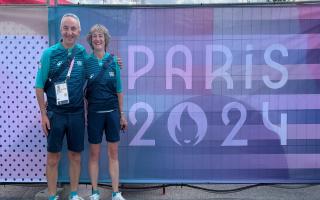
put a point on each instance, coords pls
(73, 16)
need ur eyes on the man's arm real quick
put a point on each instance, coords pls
(45, 123)
(41, 78)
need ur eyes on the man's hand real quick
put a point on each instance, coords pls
(45, 123)
(120, 63)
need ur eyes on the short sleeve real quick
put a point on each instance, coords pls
(43, 70)
(118, 75)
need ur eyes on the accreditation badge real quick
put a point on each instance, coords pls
(62, 95)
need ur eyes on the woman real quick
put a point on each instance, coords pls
(105, 108)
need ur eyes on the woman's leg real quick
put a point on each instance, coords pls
(114, 165)
(94, 165)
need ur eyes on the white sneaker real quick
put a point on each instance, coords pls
(95, 197)
(56, 198)
(76, 197)
(118, 196)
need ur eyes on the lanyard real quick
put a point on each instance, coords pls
(70, 69)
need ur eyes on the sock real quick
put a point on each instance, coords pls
(95, 191)
(114, 193)
(51, 197)
(73, 193)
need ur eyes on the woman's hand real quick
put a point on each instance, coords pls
(123, 122)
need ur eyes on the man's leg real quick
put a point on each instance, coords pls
(75, 140)
(74, 169)
(114, 165)
(52, 172)
(94, 165)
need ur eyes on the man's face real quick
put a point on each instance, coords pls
(70, 31)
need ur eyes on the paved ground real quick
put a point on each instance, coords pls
(276, 192)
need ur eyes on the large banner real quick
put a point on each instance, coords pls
(212, 94)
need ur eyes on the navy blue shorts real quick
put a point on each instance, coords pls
(72, 125)
(108, 122)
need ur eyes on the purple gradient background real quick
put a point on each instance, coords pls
(263, 159)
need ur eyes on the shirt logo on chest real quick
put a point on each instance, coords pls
(59, 63)
(79, 63)
(111, 74)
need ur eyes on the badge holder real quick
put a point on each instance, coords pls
(62, 95)
(61, 88)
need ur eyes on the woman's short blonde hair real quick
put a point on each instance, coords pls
(101, 29)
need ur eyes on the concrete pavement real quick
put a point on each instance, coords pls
(277, 192)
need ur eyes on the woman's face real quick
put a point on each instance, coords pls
(98, 41)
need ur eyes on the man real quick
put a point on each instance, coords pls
(61, 76)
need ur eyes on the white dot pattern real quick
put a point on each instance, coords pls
(22, 142)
